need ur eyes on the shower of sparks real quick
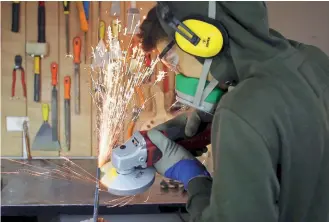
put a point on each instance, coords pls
(66, 171)
(114, 83)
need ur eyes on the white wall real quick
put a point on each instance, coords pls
(306, 22)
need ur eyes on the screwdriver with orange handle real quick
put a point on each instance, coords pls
(54, 101)
(77, 61)
(67, 112)
(83, 10)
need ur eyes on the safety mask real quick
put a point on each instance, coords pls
(203, 96)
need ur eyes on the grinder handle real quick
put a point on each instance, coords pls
(195, 143)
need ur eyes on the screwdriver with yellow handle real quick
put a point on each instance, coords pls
(66, 6)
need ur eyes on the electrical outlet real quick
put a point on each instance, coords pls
(15, 123)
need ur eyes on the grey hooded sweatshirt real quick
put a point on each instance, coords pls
(270, 135)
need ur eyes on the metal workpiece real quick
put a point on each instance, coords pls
(130, 155)
(22, 189)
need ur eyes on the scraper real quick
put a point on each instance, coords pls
(44, 139)
(133, 18)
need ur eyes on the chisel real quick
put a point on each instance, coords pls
(15, 16)
(66, 6)
(54, 105)
(67, 112)
(77, 61)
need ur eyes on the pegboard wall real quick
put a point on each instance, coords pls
(83, 138)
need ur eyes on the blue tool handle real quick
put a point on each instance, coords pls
(86, 8)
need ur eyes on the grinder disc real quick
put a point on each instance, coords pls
(136, 182)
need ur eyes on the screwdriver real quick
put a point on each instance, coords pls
(86, 9)
(76, 60)
(66, 6)
(82, 17)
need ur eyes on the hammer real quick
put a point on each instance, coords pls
(38, 49)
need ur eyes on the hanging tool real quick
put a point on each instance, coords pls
(54, 101)
(67, 111)
(15, 16)
(77, 61)
(133, 18)
(100, 53)
(131, 171)
(66, 6)
(27, 151)
(115, 8)
(18, 66)
(38, 50)
(86, 9)
(83, 9)
(43, 140)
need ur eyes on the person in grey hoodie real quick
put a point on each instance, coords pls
(269, 135)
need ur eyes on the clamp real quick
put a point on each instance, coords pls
(18, 66)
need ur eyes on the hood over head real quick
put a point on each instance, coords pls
(251, 44)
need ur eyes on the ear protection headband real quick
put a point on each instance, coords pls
(197, 35)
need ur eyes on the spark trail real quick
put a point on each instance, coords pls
(115, 84)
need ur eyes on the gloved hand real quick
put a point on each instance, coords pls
(190, 122)
(176, 162)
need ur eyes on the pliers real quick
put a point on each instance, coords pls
(18, 66)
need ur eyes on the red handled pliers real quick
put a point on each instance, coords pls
(18, 66)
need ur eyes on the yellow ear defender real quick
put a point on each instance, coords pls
(197, 35)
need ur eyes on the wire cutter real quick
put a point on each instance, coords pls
(18, 66)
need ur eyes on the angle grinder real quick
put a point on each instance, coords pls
(131, 169)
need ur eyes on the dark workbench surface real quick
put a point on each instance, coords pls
(73, 193)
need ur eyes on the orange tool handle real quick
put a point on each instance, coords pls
(76, 49)
(67, 87)
(54, 70)
(82, 16)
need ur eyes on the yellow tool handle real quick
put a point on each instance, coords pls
(45, 111)
(82, 17)
(101, 30)
(66, 6)
(36, 65)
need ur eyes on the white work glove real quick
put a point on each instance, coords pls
(176, 162)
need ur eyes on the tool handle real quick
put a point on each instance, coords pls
(67, 87)
(192, 144)
(86, 8)
(54, 70)
(101, 30)
(76, 50)
(66, 6)
(37, 79)
(82, 16)
(41, 22)
(15, 16)
(45, 111)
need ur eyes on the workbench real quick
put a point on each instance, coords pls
(27, 195)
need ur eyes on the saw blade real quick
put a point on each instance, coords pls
(136, 182)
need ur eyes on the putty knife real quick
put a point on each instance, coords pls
(44, 139)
